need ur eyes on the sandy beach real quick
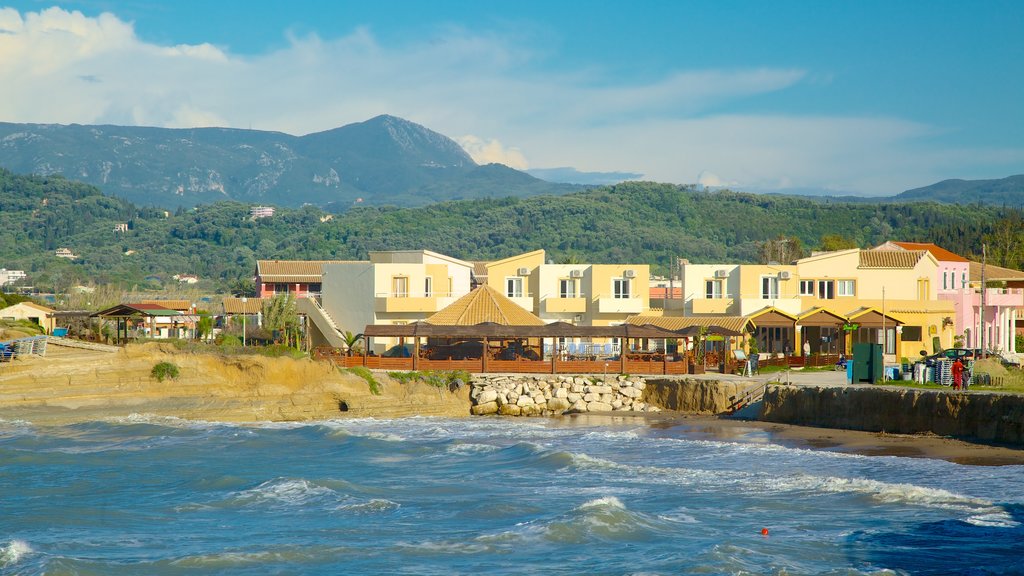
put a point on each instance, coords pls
(848, 441)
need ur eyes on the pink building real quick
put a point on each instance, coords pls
(959, 280)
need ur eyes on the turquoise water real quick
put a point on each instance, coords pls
(486, 496)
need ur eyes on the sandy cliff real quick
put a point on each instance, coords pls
(77, 385)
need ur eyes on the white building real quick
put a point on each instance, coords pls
(10, 276)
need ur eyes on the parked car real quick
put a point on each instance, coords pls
(953, 354)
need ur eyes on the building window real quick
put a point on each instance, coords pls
(428, 286)
(713, 289)
(923, 289)
(281, 288)
(566, 288)
(846, 287)
(514, 287)
(826, 289)
(620, 288)
(399, 286)
(451, 286)
(807, 287)
(912, 334)
(316, 287)
(963, 279)
(769, 287)
(945, 280)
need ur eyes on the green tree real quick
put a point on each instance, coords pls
(833, 242)
(281, 319)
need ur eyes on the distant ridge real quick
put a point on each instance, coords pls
(384, 160)
(1008, 191)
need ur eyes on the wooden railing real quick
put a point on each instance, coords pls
(546, 366)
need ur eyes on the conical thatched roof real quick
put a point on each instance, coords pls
(484, 304)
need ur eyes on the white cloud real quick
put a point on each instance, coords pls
(62, 67)
(491, 151)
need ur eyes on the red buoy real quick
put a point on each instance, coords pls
(764, 531)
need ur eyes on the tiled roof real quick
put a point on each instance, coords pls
(994, 273)
(171, 304)
(731, 323)
(904, 259)
(292, 270)
(941, 254)
(484, 304)
(235, 306)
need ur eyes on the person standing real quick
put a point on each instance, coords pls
(807, 349)
(958, 374)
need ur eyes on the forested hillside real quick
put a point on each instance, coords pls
(629, 223)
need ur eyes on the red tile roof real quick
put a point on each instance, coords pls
(941, 254)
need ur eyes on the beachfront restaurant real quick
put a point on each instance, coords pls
(484, 331)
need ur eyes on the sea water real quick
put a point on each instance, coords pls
(476, 496)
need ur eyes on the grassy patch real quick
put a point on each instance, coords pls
(365, 374)
(164, 370)
(438, 378)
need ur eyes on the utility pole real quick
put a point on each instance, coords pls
(885, 337)
(981, 328)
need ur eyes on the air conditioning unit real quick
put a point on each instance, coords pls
(721, 274)
(784, 275)
(523, 272)
(576, 274)
(629, 274)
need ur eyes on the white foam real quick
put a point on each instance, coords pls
(470, 448)
(372, 506)
(603, 502)
(13, 552)
(291, 492)
(885, 492)
(994, 519)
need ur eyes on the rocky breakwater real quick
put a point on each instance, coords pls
(990, 417)
(526, 395)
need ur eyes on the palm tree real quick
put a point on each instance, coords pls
(350, 341)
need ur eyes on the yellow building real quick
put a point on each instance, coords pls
(581, 294)
(32, 312)
(862, 285)
(393, 287)
(829, 301)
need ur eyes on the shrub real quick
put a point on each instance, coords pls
(164, 370)
(365, 374)
(451, 379)
(228, 340)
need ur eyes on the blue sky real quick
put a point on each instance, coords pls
(863, 97)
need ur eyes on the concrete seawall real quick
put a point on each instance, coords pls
(989, 417)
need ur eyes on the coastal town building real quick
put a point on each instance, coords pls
(154, 319)
(261, 211)
(65, 253)
(828, 301)
(11, 276)
(392, 287)
(583, 294)
(959, 281)
(32, 312)
(300, 278)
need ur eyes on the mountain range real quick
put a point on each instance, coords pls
(1007, 191)
(383, 161)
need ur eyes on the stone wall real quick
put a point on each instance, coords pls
(542, 395)
(549, 395)
(990, 417)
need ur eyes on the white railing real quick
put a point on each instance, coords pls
(421, 294)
